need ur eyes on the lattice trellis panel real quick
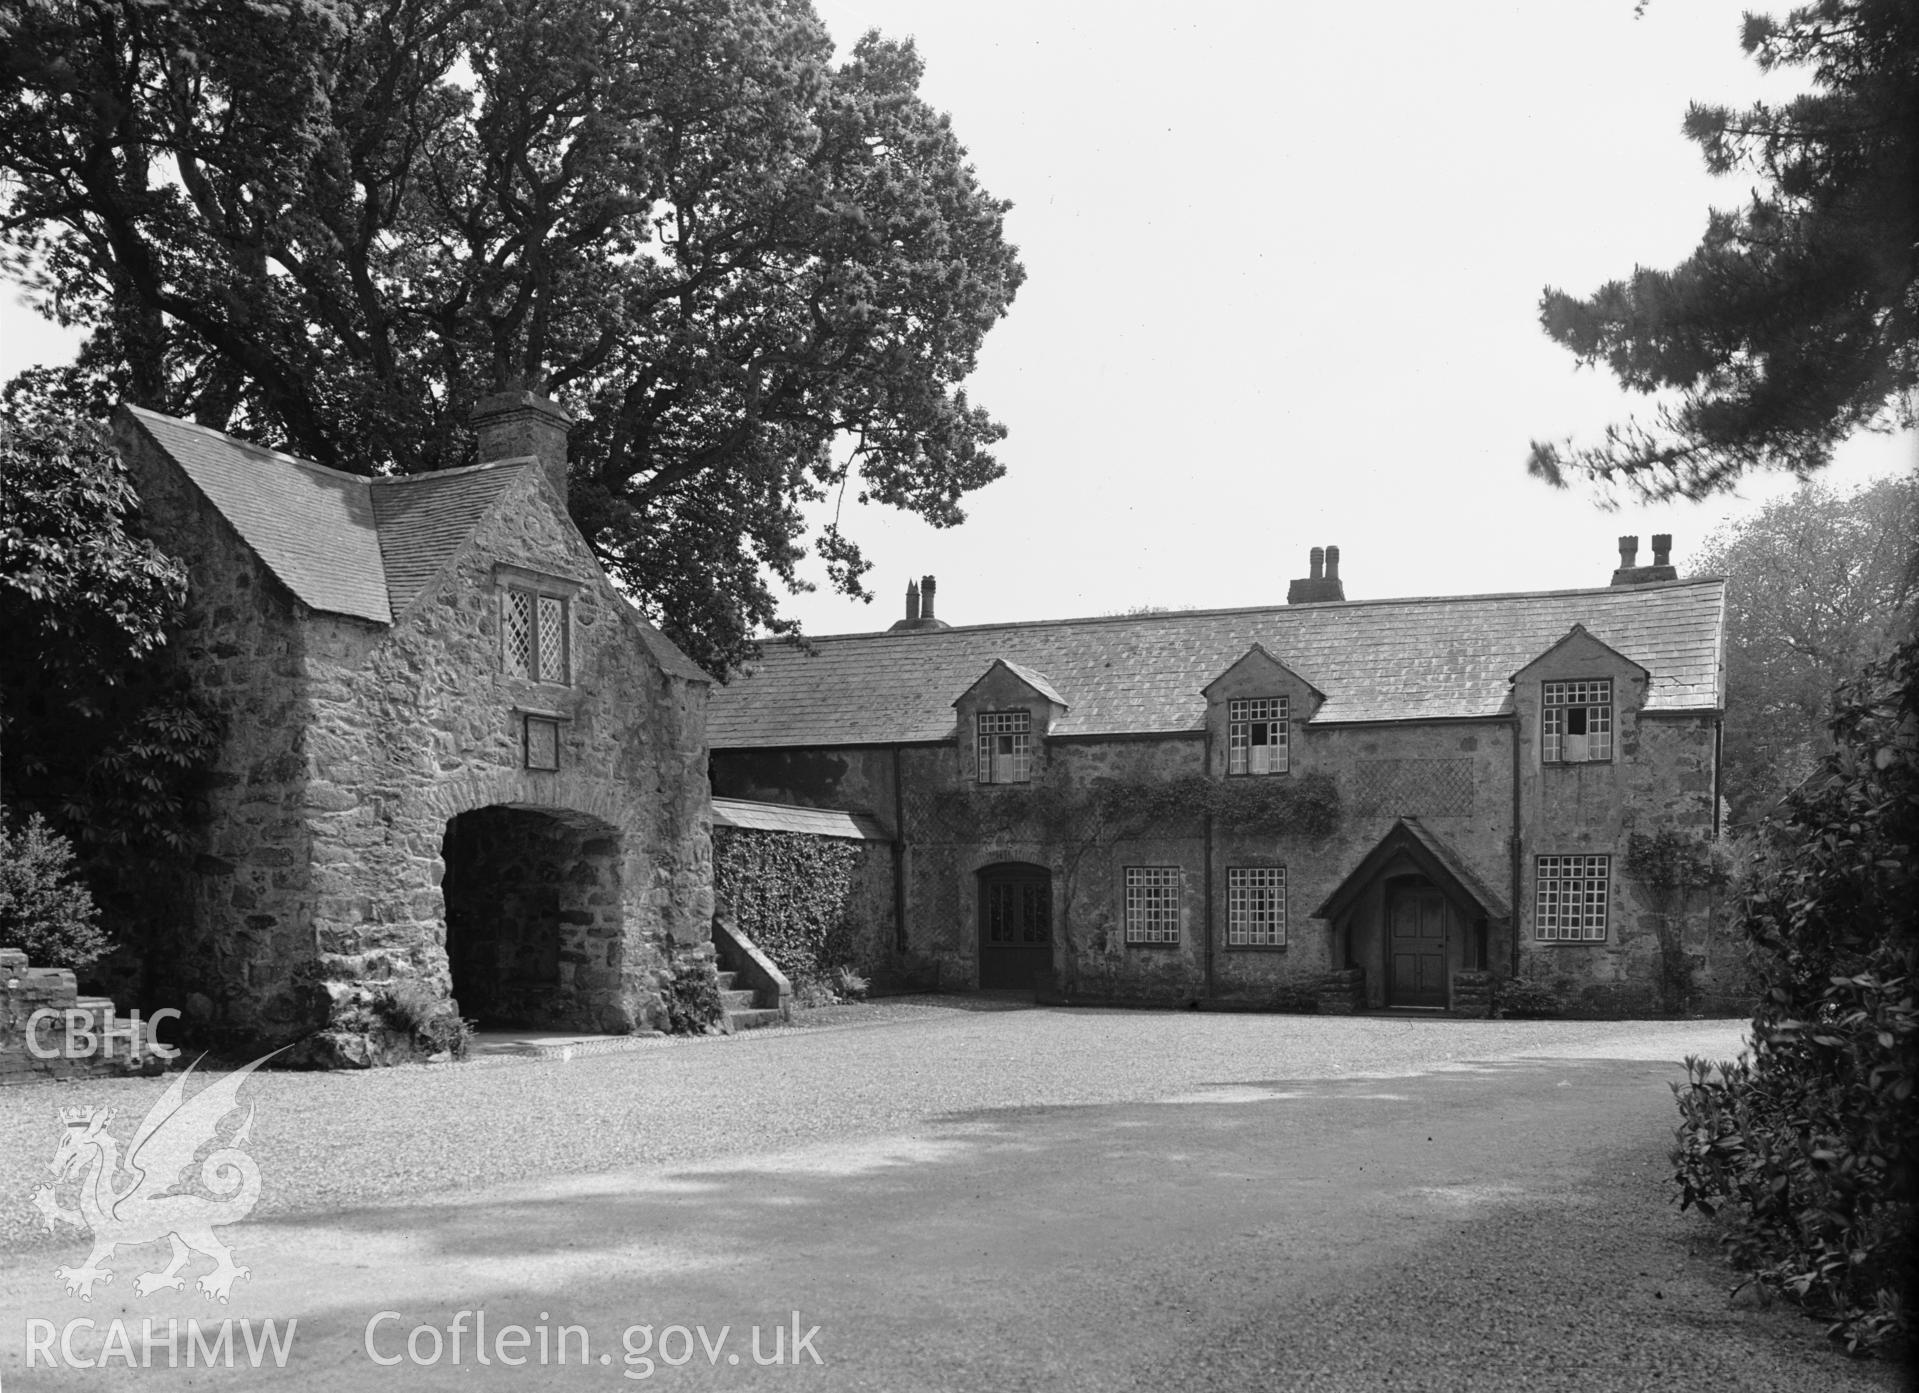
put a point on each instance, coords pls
(1413, 787)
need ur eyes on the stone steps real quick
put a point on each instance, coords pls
(743, 1011)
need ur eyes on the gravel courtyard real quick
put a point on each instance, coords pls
(327, 1140)
(967, 1194)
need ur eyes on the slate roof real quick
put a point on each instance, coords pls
(425, 518)
(1376, 660)
(779, 817)
(312, 526)
(344, 544)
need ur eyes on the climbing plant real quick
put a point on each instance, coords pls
(1672, 865)
(791, 894)
(1078, 816)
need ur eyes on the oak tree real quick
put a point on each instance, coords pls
(753, 273)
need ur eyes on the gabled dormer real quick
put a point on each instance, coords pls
(1253, 710)
(1003, 721)
(1571, 697)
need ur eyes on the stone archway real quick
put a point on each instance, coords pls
(535, 918)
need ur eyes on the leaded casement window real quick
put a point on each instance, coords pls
(1255, 906)
(1004, 740)
(1152, 904)
(540, 742)
(1576, 721)
(534, 638)
(1571, 899)
(1256, 741)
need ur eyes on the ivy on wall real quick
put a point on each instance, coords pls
(1077, 818)
(1671, 865)
(790, 893)
(1057, 810)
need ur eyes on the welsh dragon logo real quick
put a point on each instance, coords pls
(147, 1195)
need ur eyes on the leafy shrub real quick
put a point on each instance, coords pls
(1517, 998)
(413, 1009)
(693, 1002)
(1807, 1151)
(44, 909)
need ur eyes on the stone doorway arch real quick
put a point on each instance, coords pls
(535, 917)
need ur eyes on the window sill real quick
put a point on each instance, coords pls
(1154, 947)
(1256, 948)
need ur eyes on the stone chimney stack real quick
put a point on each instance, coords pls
(1631, 573)
(521, 424)
(1322, 583)
(919, 608)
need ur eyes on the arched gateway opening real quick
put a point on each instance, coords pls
(534, 918)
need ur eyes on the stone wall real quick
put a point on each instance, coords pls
(233, 947)
(1455, 777)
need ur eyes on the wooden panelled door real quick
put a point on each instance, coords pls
(1416, 947)
(1015, 926)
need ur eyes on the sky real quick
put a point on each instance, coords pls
(1284, 265)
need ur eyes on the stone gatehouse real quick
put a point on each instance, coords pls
(460, 770)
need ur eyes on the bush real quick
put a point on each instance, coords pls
(44, 910)
(413, 1009)
(1808, 1152)
(1516, 999)
(693, 1002)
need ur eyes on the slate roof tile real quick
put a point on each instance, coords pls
(1376, 660)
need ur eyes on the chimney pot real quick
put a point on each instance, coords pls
(513, 425)
(1628, 552)
(1661, 548)
(927, 586)
(912, 599)
(1332, 563)
(1317, 560)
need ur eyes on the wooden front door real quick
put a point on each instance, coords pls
(1416, 947)
(1015, 926)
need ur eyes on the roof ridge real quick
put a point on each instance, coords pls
(516, 462)
(1327, 605)
(298, 461)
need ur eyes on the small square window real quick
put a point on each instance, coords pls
(1256, 907)
(1570, 899)
(1003, 741)
(1256, 736)
(542, 743)
(1575, 722)
(1152, 904)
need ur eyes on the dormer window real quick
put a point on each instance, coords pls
(1576, 722)
(534, 635)
(1256, 740)
(1004, 740)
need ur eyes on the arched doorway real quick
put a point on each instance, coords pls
(1015, 925)
(534, 918)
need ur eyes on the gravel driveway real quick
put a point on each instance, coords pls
(968, 1195)
(324, 1141)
